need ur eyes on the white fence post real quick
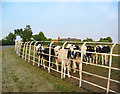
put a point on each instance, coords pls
(50, 55)
(23, 50)
(30, 51)
(63, 64)
(20, 48)
(80, 64)
(110, 64)
(26, 50)
(16, 47)
(34, 52)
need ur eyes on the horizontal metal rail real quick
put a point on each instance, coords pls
(25, 53)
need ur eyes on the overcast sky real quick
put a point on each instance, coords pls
(64, 19)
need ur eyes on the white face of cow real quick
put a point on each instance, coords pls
(57, 48)
(100, 46)
(39, 46)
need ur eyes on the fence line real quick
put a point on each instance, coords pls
(25, 53)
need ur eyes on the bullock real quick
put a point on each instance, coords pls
(90, 55)
(66, 59)
(68, 54)
(76, 55)
(98, 49)
(39, 49)
(104, 49)
(43, 54)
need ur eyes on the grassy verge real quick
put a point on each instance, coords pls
(20, 76)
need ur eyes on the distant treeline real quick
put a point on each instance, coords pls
(27, 35)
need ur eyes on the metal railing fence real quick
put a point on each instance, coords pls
(24, 51)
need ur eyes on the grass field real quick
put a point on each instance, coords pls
(20, 76)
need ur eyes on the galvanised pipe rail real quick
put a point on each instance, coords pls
(17, 45)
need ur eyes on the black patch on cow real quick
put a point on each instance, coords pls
(69, 54)
(90, 49)
(77, 54)
(98, 49)
(46, 51)
(76, 47)
(105, 49)
(72, 53)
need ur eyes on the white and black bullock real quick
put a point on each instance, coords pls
(104, 49)
(43, 54)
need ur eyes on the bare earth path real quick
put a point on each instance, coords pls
(20, 76)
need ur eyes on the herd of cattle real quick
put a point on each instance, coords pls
(72, 54)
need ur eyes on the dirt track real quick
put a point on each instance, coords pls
(20, 76)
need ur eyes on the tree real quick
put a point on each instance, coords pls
(88, 40)
(25, 34)
(40, 37)
(9, 40)
(108, 39)
(84, 40)
(11, 37)
(49, 39)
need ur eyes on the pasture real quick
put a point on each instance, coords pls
(20, 76)
(87, 68)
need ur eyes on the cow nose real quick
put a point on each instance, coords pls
(84, 54)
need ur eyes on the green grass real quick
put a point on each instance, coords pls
(24, 77)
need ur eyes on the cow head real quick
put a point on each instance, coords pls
(98, 48)
(39, 48)
(105, 49)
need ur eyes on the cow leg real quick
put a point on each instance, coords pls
(74, 66)
(90, 59)
(68, 70)
(57, 65)
(39, 61)
(106, 59)
(99, 58)
(93, 59)
(87, 59)
(70, 67)
(96, 59)
(43, 63)
(102, 60)
(64, 70)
